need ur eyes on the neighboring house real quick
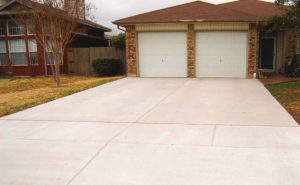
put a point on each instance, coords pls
(18, 47)
(199, 39)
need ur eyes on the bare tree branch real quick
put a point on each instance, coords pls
(55, 23)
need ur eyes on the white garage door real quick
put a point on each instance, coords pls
(221, 54)
(162, 54)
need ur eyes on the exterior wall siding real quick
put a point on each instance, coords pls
(131, 51)
(221, 26)
(161, 27)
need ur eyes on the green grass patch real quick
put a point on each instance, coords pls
(288, 94)
(21, 93)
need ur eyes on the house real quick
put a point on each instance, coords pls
(18, 46)
(199, 39)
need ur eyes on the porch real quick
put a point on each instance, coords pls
(276, 51)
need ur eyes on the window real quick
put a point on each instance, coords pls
(15, 28)
(32, 46)
(50, 56)
(298, 45)
(17, 51)
(30, 27)
(2, 53)
(2, 28)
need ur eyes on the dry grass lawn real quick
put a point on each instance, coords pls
(288, 94)
(21, 93)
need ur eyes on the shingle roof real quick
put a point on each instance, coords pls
(194, 11)
(30, 3)
(254, 7)
(201, 11)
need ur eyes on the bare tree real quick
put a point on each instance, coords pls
(90, 9)
(53, 24)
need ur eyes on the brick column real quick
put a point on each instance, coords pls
(253, 46)
(191, 51)
(131, 54)
(290, 47)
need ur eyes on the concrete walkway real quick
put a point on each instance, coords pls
(154, 131)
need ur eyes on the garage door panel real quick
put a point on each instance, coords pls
(221, 54)
(162, 54)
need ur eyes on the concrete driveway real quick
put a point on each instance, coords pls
(154, 131)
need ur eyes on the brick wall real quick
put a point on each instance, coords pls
(131, 51)
(26, 69)
(191, 51)
(253, 41)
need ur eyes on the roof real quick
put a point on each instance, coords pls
(258, 8)
(28, 4)
(197, 11)
(93, 24)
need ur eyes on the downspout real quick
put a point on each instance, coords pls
(119, 28)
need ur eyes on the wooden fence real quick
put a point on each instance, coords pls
(80, 59)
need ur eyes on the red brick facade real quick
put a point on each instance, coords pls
(28, 69)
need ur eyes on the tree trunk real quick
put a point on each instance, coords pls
(57, 71)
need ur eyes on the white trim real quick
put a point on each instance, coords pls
(26, 64)
(8, 34)
(29, 51)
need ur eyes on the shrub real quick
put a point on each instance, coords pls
(118, 41)
(107, 66)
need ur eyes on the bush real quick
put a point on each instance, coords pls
(118, 41)
(108, 66)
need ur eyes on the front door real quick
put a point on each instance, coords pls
(267, 53)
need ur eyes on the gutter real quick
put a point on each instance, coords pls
(119, 28)
(184, 21)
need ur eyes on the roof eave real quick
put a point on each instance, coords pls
(181, 21)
